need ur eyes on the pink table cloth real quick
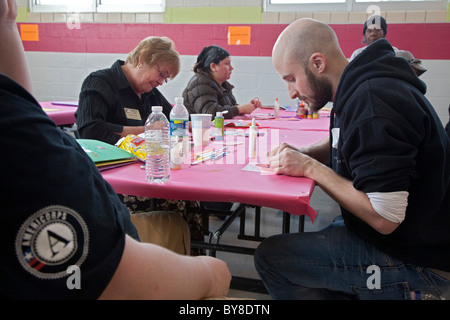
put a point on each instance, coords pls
(225, 180)
(62, 113)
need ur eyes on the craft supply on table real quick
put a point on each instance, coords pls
(201, 129)
(218, 126)
(179, 134)
(276, 108)
(253, 132)
(209, 154)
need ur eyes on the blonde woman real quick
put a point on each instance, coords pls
(115, 102)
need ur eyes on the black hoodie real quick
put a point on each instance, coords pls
(386, 137)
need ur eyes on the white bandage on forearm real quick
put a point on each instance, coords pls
(390, 205)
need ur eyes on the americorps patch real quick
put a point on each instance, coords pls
(51, 240)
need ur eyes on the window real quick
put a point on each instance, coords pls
(305, 5)
(305, 1)
(351, 5)
(361, 5)
(97, 5)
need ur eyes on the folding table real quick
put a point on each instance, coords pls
(62, 113)
(226, 180)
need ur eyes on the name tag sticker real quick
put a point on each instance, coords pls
(132, 114)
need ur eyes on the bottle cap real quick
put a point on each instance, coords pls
(253, 122)
(178, 100)
(156, 108)
(219, 114)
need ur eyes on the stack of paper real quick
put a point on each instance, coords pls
(105, 155)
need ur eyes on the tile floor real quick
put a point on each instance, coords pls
(241, 265)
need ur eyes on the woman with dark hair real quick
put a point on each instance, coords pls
(208, 91)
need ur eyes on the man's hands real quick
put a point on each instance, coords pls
(288, 160)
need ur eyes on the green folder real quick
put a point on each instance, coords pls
(106, 155)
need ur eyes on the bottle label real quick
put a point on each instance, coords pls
(178, 127)
(218, 122)
(218, 128)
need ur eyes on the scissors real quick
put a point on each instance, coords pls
(256, 103)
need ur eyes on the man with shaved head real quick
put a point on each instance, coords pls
(386, 163)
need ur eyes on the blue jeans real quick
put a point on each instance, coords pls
(336, 264)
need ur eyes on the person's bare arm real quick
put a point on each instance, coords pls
(12, 56)
(148, 271)
(319, 151)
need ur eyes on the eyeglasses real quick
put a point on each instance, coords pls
(163, 76)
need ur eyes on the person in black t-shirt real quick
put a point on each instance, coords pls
(116, 102)
(69, 239)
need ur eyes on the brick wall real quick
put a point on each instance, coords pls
(66, 52)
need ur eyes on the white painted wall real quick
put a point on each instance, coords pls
(58, 76)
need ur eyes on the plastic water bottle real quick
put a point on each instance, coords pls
(157, 147)
(179, 133)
